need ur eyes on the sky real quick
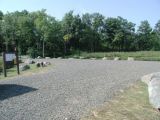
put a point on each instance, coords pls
(132, 10)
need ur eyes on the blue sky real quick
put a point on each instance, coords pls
(133, 10)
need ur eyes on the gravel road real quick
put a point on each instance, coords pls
(70, 89)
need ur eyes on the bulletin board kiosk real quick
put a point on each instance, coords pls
(8, 60)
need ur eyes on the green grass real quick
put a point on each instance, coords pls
(132, 104)
(141, 55)
(12, 72)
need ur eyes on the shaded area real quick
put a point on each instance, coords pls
(12, 90)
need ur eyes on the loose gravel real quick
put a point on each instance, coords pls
(69, 90)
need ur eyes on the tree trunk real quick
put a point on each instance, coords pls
(79, 47)
(7, 47)
(65, 49)
(43, 49)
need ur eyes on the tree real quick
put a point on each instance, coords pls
(144, 36)
(1, 15)
(38, 33)
(157, 29)
(117, 33)
(1, 37)
(93, 26)
(156, 36)
(42, 24)
(9, 29)
(72, 30)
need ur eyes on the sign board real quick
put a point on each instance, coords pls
(10, 57)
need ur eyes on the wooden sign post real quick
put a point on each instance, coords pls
(4, 64)
(8, 57)
(17, 61)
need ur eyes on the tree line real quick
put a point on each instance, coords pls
(39, 34)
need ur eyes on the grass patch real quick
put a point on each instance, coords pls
(140, 55)
(132, 104)
(12, 72)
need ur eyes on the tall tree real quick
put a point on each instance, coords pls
(144, 36)
(1, 37)
(42, 27)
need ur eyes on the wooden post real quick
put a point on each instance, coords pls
(17, 61)
(4, 64)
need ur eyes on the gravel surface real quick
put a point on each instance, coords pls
(70, 89)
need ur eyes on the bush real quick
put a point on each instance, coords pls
(33, 53)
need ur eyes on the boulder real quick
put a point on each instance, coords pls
(47, 58)
(38, 64)
(153, 82)
(93, 58)
(24, 67)
(105, 58)
(46, 64)
(75, 56)
(81, 57)
(70, 58)
(29, 61)
(39, 57)
(42, 64)
(130, 59)
(117, 58)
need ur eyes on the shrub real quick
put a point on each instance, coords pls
(32, 52)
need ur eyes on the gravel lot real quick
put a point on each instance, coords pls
(69, 90)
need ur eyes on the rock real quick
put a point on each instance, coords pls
(117, 58)
(75, 56)
(47, 58)
(93, 58)
(39, 57)
(105, 58)
(46, 64)
(59, 58)
(154, 92)
(24, 67)
(38, 64)
(70, 58)
(130, 59)
(153, 81)
(81, 57)
(146, 79)
(42, 64)
(29, 61)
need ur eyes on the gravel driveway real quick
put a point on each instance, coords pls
(70, 89)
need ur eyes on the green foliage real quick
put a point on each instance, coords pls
(37, 33)
(33, 53)
(67, 37)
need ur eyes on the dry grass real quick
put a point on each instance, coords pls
(132, 104)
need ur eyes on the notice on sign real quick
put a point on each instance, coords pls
(10, 57)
